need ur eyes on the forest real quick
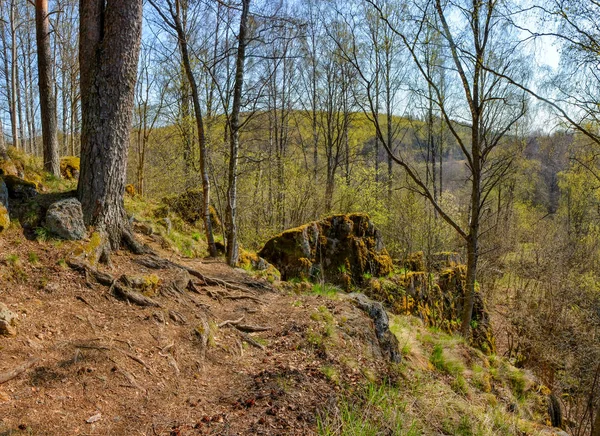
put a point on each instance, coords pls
(468, 130)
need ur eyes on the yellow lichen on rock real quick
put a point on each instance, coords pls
(70, 167)
(4, 219)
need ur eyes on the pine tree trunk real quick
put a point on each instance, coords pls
(109, 45)
(47, 101)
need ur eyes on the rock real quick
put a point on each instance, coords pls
(387, 340)
(341, 249)
(8, 321)
(19, 188)
(130, 190)
(10, 168)
(69, 167)
(439, 304)
(65, 219)
(4, 219)
(3, 193)
(143, 227)
(188, 206)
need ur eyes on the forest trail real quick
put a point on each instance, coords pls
(105, 366)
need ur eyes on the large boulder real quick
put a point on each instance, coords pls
(8, 321)
(341, 249)
(65, 219)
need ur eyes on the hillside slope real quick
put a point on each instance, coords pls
(104, 366)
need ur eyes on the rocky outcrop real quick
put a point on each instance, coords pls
(341, 249)
(65, 219)
(387, 340)
(8, 321)
(188, 206)
(438, 302)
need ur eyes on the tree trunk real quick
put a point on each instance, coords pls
(14, 77)
(231, 210)
(109, 45)
(596, 425)
(183, 47)
(47, 101)
(3, 154)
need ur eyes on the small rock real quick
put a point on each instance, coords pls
(95, 418)
(8, 321)
(65, 219)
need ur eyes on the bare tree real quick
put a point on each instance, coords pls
(47, 100)
(493, 105)
(234, 131)
(109, 44)
(172, 18)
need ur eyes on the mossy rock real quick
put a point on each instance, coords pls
(415, 261)
(70, 167)
(11, 168)
(4, 219)
(252, 261)
(19, 188)
(130, 190)
(339, 249)
(188, 206)
(438, 302)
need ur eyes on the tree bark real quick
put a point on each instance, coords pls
(231, 210)
(109, 45)
(177, 26)
(14, 77)
(47, 101)
(3, 154)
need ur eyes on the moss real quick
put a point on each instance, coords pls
(340, 249)
(4, 219)
(70, 167)
(130, 190)
(415, 261)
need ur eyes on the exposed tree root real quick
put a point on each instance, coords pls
(13, 373)
(155, 262)
(118, 287)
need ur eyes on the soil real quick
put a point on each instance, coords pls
(106, 367)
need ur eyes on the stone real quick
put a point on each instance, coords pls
(69, 167)
(4, 219)
(19, 188)
(8, 321)
(340, 249)
(65, 219)
(387, 340)
(3, 193)
(439, 303)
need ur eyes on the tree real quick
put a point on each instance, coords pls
(47, 100)
(478, 47)
(173, 20)
(109, 45)
(3, 154)
(234, 132)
